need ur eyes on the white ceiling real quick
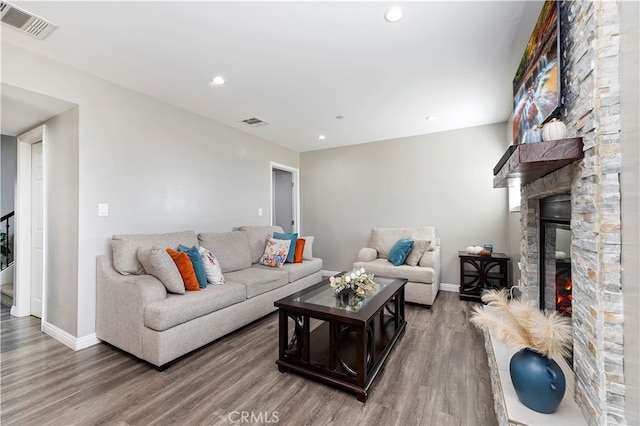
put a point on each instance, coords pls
(298, 65)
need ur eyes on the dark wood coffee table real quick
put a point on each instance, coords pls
(350, 345)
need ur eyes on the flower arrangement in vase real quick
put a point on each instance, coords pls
(538, 380)
(357, 281)
(351, 288)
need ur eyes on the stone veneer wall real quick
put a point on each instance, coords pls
(591, 109)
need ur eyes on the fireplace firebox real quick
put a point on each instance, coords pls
(555, 254)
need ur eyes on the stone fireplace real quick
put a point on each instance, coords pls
(556, 286)
(591, 110)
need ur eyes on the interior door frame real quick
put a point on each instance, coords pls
(22, 285)
(296, 193)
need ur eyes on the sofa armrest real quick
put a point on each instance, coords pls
(120, 303)
(367, 254)
(431, 259)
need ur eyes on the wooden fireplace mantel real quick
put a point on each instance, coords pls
(532, 161)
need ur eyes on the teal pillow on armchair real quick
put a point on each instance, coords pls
(400, 251)
(290, 237)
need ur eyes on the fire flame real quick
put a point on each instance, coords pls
(564, 295)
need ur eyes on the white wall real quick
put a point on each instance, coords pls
(61, 215)
(8, 164)
(630, 190)
(159, 167)
(442, 179)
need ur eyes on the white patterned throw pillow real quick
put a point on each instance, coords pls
(275, 252)
(211, 266)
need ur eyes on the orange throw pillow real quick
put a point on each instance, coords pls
(297, 254)
(185, 267)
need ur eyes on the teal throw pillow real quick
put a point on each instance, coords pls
(290, 237)
(198, 264)
(400, 251)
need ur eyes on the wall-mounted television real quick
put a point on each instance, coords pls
(536, 85)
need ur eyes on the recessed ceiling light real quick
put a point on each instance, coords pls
(322, 137)
(217, 81)
(394, 14)
(430, 118)
(339, 117)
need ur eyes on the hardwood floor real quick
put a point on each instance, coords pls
(436, 375)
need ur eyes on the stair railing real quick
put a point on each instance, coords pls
(6, 242)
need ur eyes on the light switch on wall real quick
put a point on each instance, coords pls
(260, 211)
(103, 209)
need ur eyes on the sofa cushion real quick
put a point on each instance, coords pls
(257, 238)
(211, 266)
(231, 249)
(419, 248)
(383, 268)
(125, 248)
(177, 309)
(430, 258)
(157, 262)
(196, 261)
(275, 253)
(185, 267)
(258, 281)
(307, 253)
(297, 252)
(367, 254)
(297, 271)
(400, 251)
(382, 239)
(292, 247)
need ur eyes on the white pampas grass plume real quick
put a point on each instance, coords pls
(552, 335)
(503, 331)
(522, 325)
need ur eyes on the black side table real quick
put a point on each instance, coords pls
(478, 273)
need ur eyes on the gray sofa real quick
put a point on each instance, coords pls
(423, 278)
(136, 313)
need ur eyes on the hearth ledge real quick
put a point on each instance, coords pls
(509, 410)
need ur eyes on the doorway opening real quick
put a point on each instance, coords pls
(30, 285)
(285, 197)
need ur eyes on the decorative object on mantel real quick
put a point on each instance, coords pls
(554, 130)
(351, 288)
(537, 379)
(534, 134)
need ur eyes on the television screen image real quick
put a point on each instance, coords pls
(536, 85)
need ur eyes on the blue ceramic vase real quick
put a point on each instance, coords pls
(538, 380)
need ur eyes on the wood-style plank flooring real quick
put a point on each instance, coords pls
(436, 375)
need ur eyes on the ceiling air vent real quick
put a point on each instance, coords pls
(25, 22)
(254, 122)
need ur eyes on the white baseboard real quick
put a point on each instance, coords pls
(15, 312)
(455, 288)
(67, 339)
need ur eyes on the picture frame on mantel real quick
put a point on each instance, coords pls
(536, 85)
